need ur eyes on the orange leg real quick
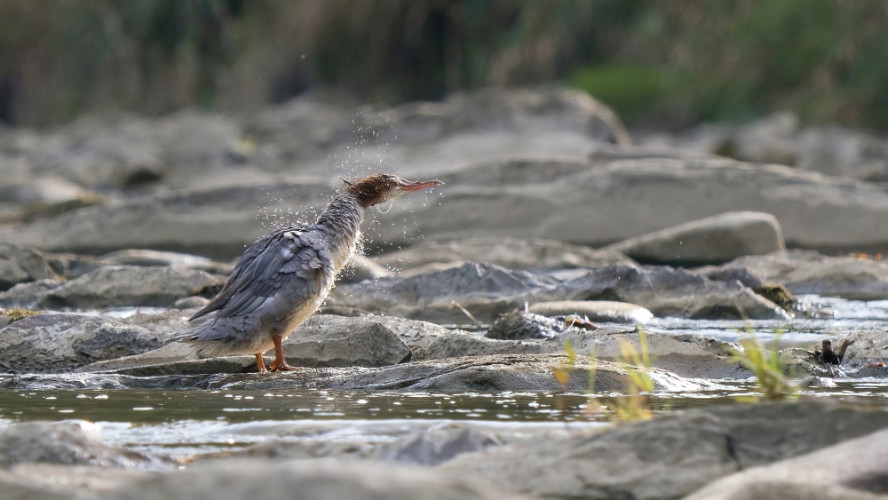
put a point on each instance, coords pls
(260, 363)
(280, 364)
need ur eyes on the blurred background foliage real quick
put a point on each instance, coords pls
(661, 63)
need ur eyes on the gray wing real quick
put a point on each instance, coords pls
(264, 268)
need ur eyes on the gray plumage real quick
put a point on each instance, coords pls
(283, 277)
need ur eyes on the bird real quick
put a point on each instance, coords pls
(283, 277)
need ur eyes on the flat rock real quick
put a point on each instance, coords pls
(712, 240)
(118, 286)
(222, 479)
(595, 310)
(487, 291)
(529, 198)
(501, 372)
(514, 253)
(851, 470)
(57, 342)
(333, 341)
(668, 457)
(802, 272)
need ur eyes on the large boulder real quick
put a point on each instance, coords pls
(670, 456)
(712, 240)
(53, 342)
(852, 470)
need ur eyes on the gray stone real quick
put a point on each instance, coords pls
(67, 443)
(514, 253)
(594, 310)
(810, 272)
(712, 240)
(670, 456)
(119, 286)
(521, 326)
(332, 341)
(436, 446)
(51, 342)
(851, 470)
(28, 294)
(487, 291)
(18, 265)
(308, 480)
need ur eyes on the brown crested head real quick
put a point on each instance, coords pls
(380, 188)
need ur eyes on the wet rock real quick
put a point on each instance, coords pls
(66, 443)
(804, 272)
(594, 310)
(332, 341)
(716, 239)
(119, 286)
(19, 265)
(487, 291)
(431, 341)
(670, 456)
(435, 446)
(303, 480)
(866, 353)
(520, 326)
(851, 470)
(514, 253)
(503, 372)
(52, 342)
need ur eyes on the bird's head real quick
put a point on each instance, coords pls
(380, 188)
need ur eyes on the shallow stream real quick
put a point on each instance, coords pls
(185, 424)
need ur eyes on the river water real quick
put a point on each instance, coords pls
(185, 424)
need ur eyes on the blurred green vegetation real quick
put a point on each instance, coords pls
(665, 63)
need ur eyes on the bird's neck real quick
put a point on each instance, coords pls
(342, 222)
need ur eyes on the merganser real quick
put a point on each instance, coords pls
(283, 277)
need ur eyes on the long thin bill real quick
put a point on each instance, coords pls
(416, 186)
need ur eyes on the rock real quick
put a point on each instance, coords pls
(156, 258)
(487, 291)
(520, 326)
(17, 487)
(19, 265)
(809, 272)
(712, 240)
(119, 286)
(431, 341)
(28, 294)
(436, 446)
(66, 443)
(670, 456)
(595, 310)
(502, 372)
(866, 355)
(514, 253)
(770, 139)
(229, 479)
(332, 341)
(52, 342)
(518, 198)
(58, 481)
(851, 470)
